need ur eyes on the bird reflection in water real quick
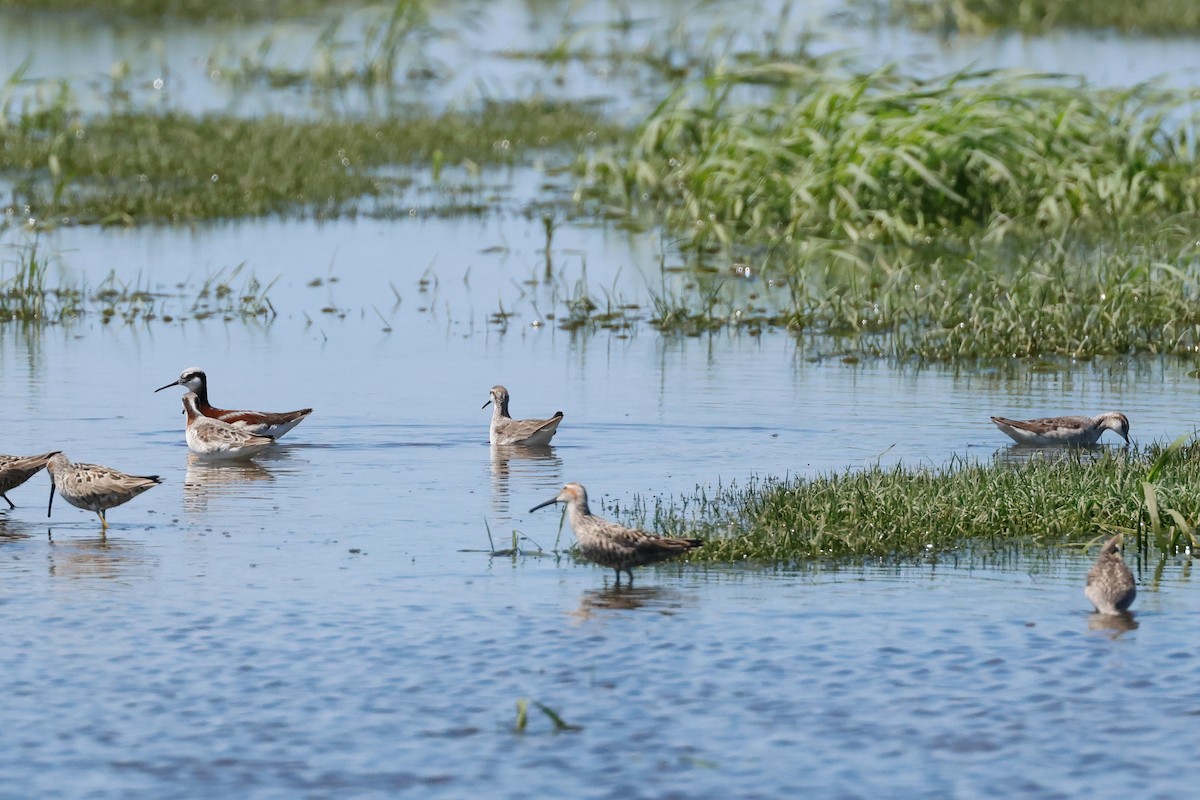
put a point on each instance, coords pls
(1118, 623)
(103, 558)
(206, 480)
(536, 464)
(595, 602)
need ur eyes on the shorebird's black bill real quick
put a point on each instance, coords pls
(168, 386)
(549, 502)
(485, 405)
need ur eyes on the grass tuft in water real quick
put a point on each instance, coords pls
(1153, 17)
(901, 511)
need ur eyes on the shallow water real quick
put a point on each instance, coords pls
(328, 621)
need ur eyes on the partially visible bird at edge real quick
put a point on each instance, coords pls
(15, 470)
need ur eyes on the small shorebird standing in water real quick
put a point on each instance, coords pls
(213, 439)
(15, 470)
(1110, 584)
(263, 423)
(506, 430)
(612, 545)
(1050, 431)
(92, 487)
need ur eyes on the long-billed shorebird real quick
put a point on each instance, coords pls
(213, 439)
(92, 487)
(15, 470)
(1049, 431)
(1110, 584)
(506, 430)
(612, 545)
(263, 423)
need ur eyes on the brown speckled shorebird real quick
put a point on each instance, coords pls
(1050, 431)
(213, 439)
(612, 545)
(15, 470)
(262, 423)
(92, 487)
(1110, 584)
(506, 430)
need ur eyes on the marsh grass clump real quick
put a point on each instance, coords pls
(1153, 17)
(908, 511)
(194, 10)
(775, 154)
(127, 167)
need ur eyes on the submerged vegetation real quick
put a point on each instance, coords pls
(909, 511)
(131, 167)
(1155, 17)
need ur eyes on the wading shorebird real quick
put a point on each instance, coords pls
(92, 487)
(15, 470)
(263, 423)
(506, 430)
(1049, 431)
(211, 438)
(612, 545)
(1110, 584)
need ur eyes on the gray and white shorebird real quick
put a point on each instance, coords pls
(1074, 430)
(213, 439)
(506, 430)
(1110, 584)
(611, 545)
(263, 423)
(93, 487)
(15, 470)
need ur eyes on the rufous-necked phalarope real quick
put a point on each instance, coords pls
(1050, 431)
(15, 470)
(263, 423)
(506, 430)
(1110, 584)
(213, 439)
(612, 545)
(92, 487)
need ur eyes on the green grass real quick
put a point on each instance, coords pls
(782, 153)
(1154, 17)
(133, 167)
(908, 511)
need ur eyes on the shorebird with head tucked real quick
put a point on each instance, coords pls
(15, 470)
(213, 439)
(506, 430)
(612, 545)
(92, 487)
(1050, 431)
(263, 423)
(1110, 584)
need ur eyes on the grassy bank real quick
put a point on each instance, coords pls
(905, 511)
(194, 10)
(780, 154)
(129, 167)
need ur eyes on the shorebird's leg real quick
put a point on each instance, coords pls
(103, 521)
(629, 572)
(10, 502)
(618, 575)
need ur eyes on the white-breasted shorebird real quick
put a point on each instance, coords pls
(211, 438)
(263, 423)
(1110, 584)
(612, 545)
(506, 430)
(93, 487)
(15, 470)
(1077, 430)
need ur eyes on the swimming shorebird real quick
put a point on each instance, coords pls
(1049, 431)
(263, 423)
(213, 439)
(506, 430)
(1110, 584)
(15, 470)
(612, 545)
(92, 487)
